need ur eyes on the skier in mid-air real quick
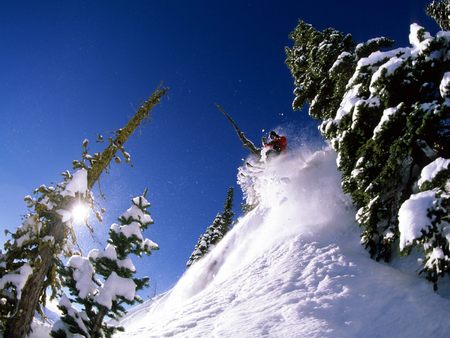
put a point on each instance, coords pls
(276, 144)
(272, 147)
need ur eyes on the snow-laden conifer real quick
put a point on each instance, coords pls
(215, 232)
(439, 10)
(102, 283)
(227, 214)
(388, 121)
(34, 250)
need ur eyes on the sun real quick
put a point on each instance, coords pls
(80, 213)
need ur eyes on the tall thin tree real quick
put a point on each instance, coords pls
(215, 232)
(37, 245)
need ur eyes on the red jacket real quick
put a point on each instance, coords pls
(278, 144)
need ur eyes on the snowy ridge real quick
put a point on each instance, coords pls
(293, 267)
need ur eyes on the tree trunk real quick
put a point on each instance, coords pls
(19, 325)
(123, 135)
(98, 323)
(245, 141)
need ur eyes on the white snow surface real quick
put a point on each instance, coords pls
(115, 286)
(430, 171)
(350, 100)
(82, 274)
(111, 253)
(412, 216)
(387, 113)
(137, 214)
(73, 312)
(339, 60)
(415, 40)
(128, 230)
(142, 201)
(444, 87)
(293, 267)
(388, 68)
(17, 278)
(77, 184)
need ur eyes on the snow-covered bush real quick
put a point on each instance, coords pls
(388, 121)
(103, 282)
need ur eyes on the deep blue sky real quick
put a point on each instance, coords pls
(72, 69)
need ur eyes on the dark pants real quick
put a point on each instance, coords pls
(273, 153)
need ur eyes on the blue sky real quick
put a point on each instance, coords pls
(72, 69)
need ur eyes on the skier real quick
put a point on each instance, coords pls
(276, 145)
(271, 148)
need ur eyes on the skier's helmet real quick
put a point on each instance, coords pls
(273, 134)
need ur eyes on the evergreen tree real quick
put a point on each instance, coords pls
(103, 282)
(215, 232)
(204, 243)
(310, 62)
(439, 10)
(28, 265)
(387, 123)
(227, 214)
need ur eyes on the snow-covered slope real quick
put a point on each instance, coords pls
(293, 267)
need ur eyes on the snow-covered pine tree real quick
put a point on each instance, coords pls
(215, 232)
(204, 242)
(439, 10)
(387, 123)
(227, 214)
(33, 252)
(100, 284)
(28, 265)
(310, 60)
(321, 64)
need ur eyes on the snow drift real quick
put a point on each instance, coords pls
(293, 267)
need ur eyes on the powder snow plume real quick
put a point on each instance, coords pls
(293, 267)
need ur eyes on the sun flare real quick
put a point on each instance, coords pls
(80, 213)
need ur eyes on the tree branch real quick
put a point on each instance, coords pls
(245, 141)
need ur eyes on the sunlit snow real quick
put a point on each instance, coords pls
(293, 267)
